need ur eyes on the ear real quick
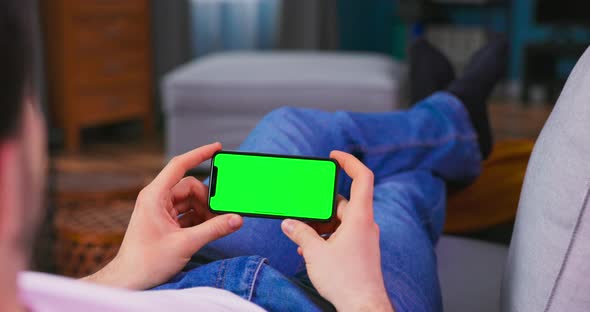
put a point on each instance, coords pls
(11, 204)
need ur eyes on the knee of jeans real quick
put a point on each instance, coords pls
(283, 116)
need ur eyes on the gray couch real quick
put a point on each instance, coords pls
(547, 266)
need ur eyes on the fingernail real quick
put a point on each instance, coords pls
(234, 221)
(288, 225)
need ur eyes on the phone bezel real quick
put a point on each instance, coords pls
(270, 216)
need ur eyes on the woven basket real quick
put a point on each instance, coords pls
(89, 236)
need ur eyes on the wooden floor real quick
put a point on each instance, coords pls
(131, 155)
(514, 120)
(509, 120)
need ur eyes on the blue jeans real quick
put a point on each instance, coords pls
(412, 155)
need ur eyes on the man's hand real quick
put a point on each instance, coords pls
(158, 243)
(346, 268)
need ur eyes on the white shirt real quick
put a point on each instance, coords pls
(45, 292)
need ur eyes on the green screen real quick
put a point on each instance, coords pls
(274, 186)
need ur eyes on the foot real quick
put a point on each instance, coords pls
(430, 70)
(473, 88)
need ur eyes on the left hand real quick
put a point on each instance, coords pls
(158, 244)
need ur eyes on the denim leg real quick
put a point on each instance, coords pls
(254, 280)
(410, 211)
(436, 135)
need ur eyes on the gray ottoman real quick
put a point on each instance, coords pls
(222, 97)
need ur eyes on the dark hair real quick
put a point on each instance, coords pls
(15, 61)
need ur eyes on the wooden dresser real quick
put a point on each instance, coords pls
(98, 59)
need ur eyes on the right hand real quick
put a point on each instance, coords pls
(157, 243)
(346, 268)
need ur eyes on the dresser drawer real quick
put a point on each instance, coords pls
(99, 66)
(111, 31)
(92, 69)
(96, 106)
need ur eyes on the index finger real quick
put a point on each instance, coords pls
(179, 165)
(361, 191)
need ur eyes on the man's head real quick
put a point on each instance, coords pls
(22, 146)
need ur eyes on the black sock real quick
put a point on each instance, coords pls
(430, 70)
(481, 74)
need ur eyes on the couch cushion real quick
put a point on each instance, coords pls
(262, 81)
(470, 274)
(549, 258)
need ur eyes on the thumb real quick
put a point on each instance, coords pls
(301, 234)
(214, 228)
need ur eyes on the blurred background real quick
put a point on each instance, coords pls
(127, 84)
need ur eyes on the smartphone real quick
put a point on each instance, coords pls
(273, 186)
